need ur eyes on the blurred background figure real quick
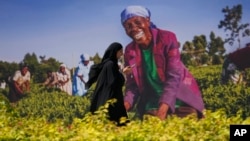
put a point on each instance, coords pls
(64, 79)
(3, 84)
(81, 76)
(51, 80)
(19, 83)
(235, 64)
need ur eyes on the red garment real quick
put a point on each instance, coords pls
(241, 58)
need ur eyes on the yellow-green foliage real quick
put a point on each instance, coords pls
(28, 120)
(215, 126)
(52, 104)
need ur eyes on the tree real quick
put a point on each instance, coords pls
(46, 64)
(200, 44)
(215, 49)
(96, 59)
(7, 70)
(32, 61)
(187, 53)
(42, 58)
(232, 23)
(194, 53)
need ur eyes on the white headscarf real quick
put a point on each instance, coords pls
(134, 10)
(63, 65)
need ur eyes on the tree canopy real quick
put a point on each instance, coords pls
(232, 25)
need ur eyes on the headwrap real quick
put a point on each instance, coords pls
(134, 10)
(85, 57)
(63, 65)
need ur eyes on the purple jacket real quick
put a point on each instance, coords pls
(178, 81)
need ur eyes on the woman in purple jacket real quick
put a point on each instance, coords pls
(157, 81)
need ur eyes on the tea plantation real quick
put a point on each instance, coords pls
(49, 114)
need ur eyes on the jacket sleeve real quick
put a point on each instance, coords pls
(131, 89)
(173, 71)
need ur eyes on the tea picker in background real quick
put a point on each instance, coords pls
(19, 83)
(3, 84)
(64, 79)
(235, 64)
(81, 76)
(157, 81)
(51, 80)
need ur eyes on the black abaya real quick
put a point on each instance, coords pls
(109, 85)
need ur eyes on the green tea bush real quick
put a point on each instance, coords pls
(49, 114)
(4, 103)
(215, 126)
(52, 104)
(232, 98)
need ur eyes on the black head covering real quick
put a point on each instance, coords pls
(111, 51)
(109, 55)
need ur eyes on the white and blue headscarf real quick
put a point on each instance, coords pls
(84, 57)
(135, 10)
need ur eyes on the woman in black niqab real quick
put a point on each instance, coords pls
(109, 84)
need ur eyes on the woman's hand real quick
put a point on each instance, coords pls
(127, 105)
(162, 111)
(127, 70)
(61, 82)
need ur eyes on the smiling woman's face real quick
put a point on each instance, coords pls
(138, 28)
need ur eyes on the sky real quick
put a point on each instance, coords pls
(65, 29)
